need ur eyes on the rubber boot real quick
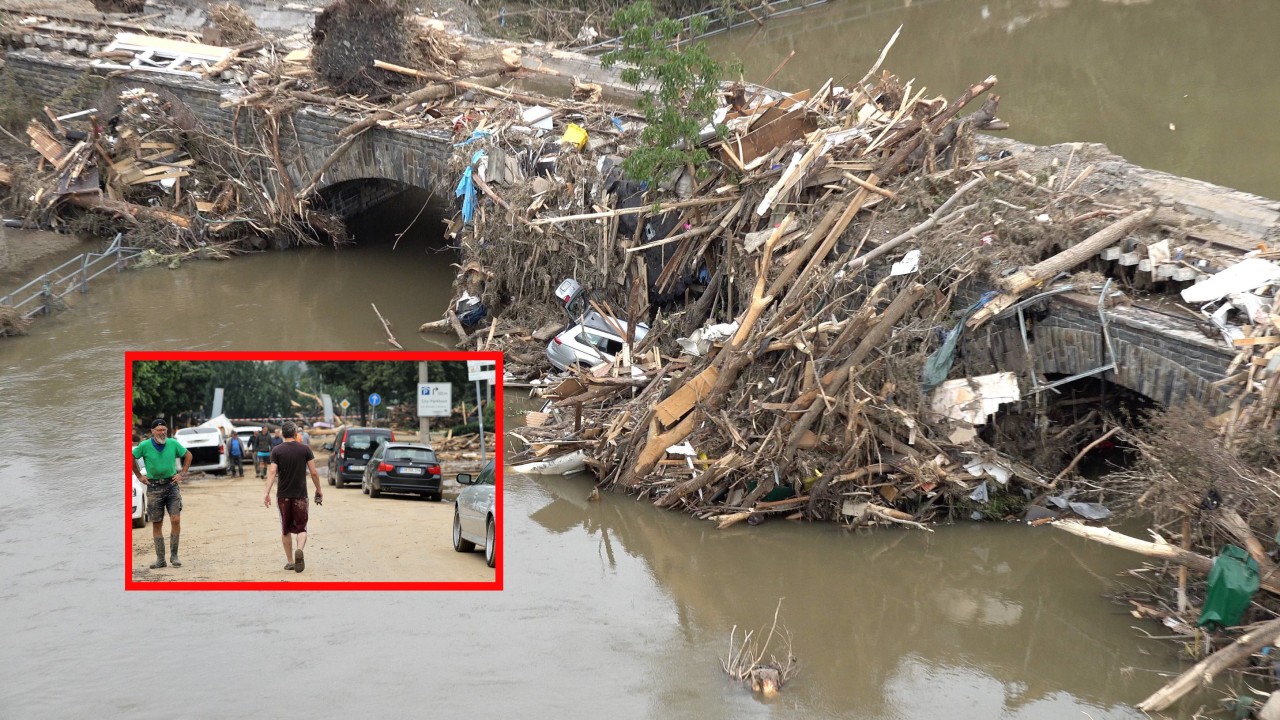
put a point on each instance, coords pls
(159, 563)
(173, 551)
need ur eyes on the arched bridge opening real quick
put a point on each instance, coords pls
(380, 211)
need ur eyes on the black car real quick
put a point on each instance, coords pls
(352, 449)
(403, 467)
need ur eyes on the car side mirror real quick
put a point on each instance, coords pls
(464, 479)
(328, 446)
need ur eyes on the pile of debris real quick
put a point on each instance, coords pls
(145, 158)
(811, 402)
(148, 164)
(777, 334)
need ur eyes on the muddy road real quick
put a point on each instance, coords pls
(229, 536)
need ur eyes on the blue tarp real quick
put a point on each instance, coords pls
(466, 188)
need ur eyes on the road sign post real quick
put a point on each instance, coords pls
(481, 371)
(374, 400)
(480, 417)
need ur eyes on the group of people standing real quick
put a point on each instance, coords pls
(284, 455)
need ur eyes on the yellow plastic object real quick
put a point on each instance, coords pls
(575, 136)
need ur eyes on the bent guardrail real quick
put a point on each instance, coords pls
(70, 276)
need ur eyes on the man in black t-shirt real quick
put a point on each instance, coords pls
(291, 461)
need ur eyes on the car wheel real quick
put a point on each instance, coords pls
(438, 497)
(373, 489)
(490, 545)
(331, 480)
(141, 520)
(460, 545)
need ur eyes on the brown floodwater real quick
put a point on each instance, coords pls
(1119, 72)
(613, 606)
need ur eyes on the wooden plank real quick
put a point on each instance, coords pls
(168, 175)
(44, 142)
(130, 41)
(66, 159)
(670, 411)
(1268, 340)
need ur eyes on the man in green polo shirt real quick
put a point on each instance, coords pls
(160, 454)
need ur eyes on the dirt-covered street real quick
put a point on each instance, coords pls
(228, 535)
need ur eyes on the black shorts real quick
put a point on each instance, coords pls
(293, 515)
(162, 497)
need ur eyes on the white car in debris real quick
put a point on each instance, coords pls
(594, 339)
(208, 451)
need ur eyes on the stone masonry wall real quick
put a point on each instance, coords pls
(1159, 359)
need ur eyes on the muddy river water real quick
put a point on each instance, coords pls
(609, 606)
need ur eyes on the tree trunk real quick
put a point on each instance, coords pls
(1205, 670)
(1163, 551)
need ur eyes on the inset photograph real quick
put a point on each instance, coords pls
(313, 471)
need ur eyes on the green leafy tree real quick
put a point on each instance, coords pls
(164, 388)
(395, 381)
(678, 89)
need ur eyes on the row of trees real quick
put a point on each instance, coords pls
(256, 388)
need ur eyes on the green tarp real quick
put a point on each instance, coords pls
(1232, 583)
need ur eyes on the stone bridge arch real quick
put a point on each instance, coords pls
(410, 158)
(1163, 357)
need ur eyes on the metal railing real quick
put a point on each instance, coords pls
(70, 276)
(718, 20)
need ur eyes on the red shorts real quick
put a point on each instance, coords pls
(293, 515)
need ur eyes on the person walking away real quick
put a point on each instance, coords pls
(160, 454)
(262, 450)
(235, 453)
(291, 461)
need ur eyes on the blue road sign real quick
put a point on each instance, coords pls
(375, 399)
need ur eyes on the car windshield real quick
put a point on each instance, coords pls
(197, 431)
(486, 475)
(411, 454)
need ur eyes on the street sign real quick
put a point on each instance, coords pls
(435, 399)
(481, 370)
(375, 399)
(344, 404)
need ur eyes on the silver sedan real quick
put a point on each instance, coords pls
(474, 519)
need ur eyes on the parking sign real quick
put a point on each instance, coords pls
(435, 399)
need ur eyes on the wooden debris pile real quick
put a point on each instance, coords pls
(844, 242)
(812, 405)
(233, 25)
(148, 164)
